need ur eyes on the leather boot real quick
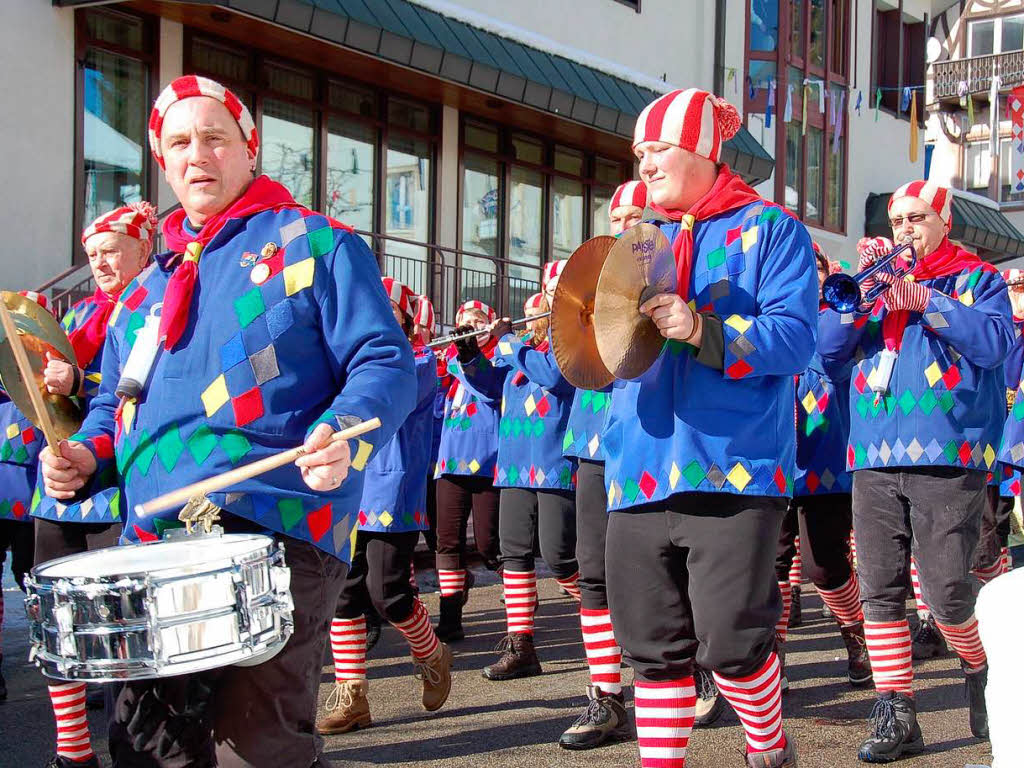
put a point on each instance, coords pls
(975, 681)
(796, 612)
(373, 628)
(449, 628)
(858, 663)
(710, 703)
(65, 762)
(604, 720)
(894, 730)
(348, 709)
(518, 658)
(774, 758)
(435, 672)
(927, 642)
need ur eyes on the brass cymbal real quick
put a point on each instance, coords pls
(40, 333)
(639, 266)
(572, 316)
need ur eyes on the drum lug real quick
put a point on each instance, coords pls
(32, 604)
(64, 616)
(242, 601)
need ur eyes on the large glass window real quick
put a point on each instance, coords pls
(999, 35)
(481, 218)
(566, 217)
(287, 147)
(351, 172)
(407, 209)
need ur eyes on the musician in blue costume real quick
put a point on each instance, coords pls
(274, 330)
(536, 480)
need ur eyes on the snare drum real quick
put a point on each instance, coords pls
(172, 607)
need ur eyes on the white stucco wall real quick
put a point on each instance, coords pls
(37, 135)
(171, 58)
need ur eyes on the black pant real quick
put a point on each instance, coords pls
(526, 514)
(995, 530)
(430, 535)
(690, 578)
(591, 533)
(55, 540)
(823, 524)
(933, 513)
(457, 497)
(19, 537)
(379, 577)
(240, 717)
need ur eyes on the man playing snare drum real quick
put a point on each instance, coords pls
(274, 331)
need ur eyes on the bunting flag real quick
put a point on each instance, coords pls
(787, 116)
(878, 102)
(860, 100)
(837, 132)
(970, 110)
(731, 78)
(913, 127)
(821, 98)
(751, 91)
(770, 102)
(905, 100)
(1015, 104)
(807, 93)
(832, 112)
(993, 115)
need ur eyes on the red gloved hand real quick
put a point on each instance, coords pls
(904, 294)
(834, 267)
(871, 249)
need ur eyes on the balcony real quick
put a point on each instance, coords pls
(976, 75)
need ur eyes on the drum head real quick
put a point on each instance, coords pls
(180, 555)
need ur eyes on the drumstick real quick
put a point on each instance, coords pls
(42, 419)
(244, 472)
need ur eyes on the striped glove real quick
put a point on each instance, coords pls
(904, 294)
(869, 251)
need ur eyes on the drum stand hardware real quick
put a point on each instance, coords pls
(199, 511)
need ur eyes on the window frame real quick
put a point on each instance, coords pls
(902, 75)
(997, 33)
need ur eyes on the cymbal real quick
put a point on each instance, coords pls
(572, 316)
(40, 334)
(639, 266)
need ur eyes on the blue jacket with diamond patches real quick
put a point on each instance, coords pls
(822, 429)
(946, 404)
(20, 443)
(1012, 446)
(535, 406)
(274, 345)
(587, 420)
(395, 489)
(686, 426)
(469, 438)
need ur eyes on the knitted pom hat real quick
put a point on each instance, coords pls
(477, 305)
(534, 302)
(136, 220)
(552, 271)
(939, 198)
(693, 119)
(631, 193)
(402, 295)
(424, 312)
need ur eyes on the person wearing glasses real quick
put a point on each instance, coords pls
(926, 414)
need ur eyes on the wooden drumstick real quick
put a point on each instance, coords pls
(42, 419)
(244, 472)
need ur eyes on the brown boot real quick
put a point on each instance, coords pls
(518, 658)
(348, 709)
(858, 664)
(436, 673)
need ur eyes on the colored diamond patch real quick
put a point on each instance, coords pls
(249, 306)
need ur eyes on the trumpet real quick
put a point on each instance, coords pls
(843, 292)
(452, 338)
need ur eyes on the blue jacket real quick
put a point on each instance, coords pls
(395, 489)
(1012, 447)
(469, 439)
(687, 426)
(20, 443)
(822, 429)
(73, 320)
(945, 404)
(535, 406)
(266, 355)
(587, 421)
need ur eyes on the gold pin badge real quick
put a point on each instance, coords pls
(268, 250)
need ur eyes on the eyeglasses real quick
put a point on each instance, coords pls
(913, 218)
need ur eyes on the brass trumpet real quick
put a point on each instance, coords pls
(843, 293)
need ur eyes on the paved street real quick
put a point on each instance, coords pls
(515, 724)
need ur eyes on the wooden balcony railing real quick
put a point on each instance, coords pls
(958, 77)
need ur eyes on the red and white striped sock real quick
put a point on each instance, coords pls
(889, 650)
(853, 550)
(915, 582)
(1004, 556)
(964, 639)
(664, 720)
(419, 632)
(412, 577)
(985, 575)
(796, 569)
(348, 648)
(604, 656)
(571, 585)
(844, 602)
(782, 626)
(451, 582)
(520, 599)
(757, 699)
(68, 701)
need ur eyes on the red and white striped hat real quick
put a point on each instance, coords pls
(631, 193)
(1009, 275)
(477, 305)
(136, 220)
(192, 85)
(534, 302)
(424, 312)
(552, 271)
(693, 119)
(402, 295)
(939, 198)
(38, 298)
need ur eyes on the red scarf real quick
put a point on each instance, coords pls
(87, 339)
(520, 378)
(947, 259)
(450, 383)
(728, 193)
(262, 195)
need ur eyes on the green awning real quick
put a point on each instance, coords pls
(975, 224)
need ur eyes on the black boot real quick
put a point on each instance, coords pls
(858, 665)
(373, 624)
(3, 683)
(62, 762)
(780, 651)
(975, 681)
(518, 658)
(796, 613)
(894, 730)
(467, 585)
(449, 628)
(927, 641)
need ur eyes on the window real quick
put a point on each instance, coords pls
(978, 170)
(808, 57)
(114, 94)
(898, 60)
(999, 35)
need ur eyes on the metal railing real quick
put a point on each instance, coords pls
(959, 77)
